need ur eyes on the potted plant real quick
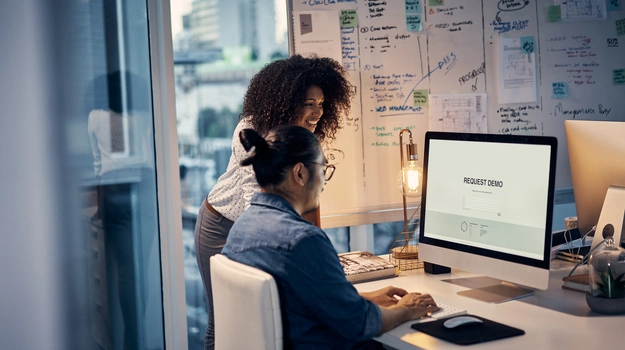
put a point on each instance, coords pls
(607, 279)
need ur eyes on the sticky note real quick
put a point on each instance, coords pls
(554, 13)
(620, 27)
(614, 5)
(413, 6)
(560, 90)
(618, 77)
(413, 23)
(349, 19)
(436, 2)
(420, 98)
(527, 44)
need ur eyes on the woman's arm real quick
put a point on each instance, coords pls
(249, 183)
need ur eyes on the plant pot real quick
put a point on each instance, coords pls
(600, 305)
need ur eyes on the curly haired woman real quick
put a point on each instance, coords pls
(309, 92)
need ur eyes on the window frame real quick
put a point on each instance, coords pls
(167, 174)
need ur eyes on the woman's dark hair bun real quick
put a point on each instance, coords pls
(272, 156)
(250, 138)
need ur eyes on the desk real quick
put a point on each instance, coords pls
(552, 319)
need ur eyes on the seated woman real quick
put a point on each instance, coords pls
(320, 308)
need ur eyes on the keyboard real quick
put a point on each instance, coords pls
(447, 311)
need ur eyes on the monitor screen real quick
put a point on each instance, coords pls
(487, 205)
(597, 159)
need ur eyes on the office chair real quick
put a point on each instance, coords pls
(246, 306)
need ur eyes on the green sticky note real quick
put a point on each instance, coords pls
(420, 98)
(560, 90)
(349, 19)
(414, 23)
(554, 13)
(620, 27)
(436, 2)
(618, 77)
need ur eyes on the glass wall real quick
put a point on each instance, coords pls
(81, 264)
(113, 158)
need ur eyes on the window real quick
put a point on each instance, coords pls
(218, 47)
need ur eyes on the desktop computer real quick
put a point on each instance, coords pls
(597, 159)
(487, 208)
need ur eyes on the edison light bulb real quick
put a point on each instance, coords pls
(409, 179)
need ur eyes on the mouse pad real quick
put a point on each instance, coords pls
(468, 334)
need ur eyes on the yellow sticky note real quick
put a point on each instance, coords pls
(420, 98)
(349, 19)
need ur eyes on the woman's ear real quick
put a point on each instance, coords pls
(300, 174)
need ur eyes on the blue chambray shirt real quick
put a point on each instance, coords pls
(320, 308)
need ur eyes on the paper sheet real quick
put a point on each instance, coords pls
(318, 32)
(458, 113)
(516, 78)
(582, 10)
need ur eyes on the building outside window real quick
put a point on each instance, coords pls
(219, 45)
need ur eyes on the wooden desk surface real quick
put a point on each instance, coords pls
(552, 319)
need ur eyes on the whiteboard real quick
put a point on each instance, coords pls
(458, 51)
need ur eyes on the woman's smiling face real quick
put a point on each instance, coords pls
(312, 109)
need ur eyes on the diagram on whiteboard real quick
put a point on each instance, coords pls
(579, 10)
(516, 81)
(458, 112)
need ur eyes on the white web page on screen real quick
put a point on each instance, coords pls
(488, 195)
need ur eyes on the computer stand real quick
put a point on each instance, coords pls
(490, 290)
(498, 293)
(612, 217)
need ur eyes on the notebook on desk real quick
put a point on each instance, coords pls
(477, 333)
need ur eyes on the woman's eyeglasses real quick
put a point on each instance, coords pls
(328, 171)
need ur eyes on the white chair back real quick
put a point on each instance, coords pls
(246, 306)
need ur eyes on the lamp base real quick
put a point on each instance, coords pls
(406, 252)
(406, 257)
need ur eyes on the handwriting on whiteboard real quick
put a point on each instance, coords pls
(575, 58)
(386, 136)
(325, 2)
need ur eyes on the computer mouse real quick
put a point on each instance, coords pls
(461, 321)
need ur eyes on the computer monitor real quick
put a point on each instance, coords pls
(487, 208)
(597, 159)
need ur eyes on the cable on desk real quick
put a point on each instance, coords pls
(585, 258)
(568, 239)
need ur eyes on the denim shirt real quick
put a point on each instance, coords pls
(320, 308)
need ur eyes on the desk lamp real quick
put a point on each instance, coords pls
(409, 177)
(409, 184)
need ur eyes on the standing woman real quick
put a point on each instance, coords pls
(309, 92)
